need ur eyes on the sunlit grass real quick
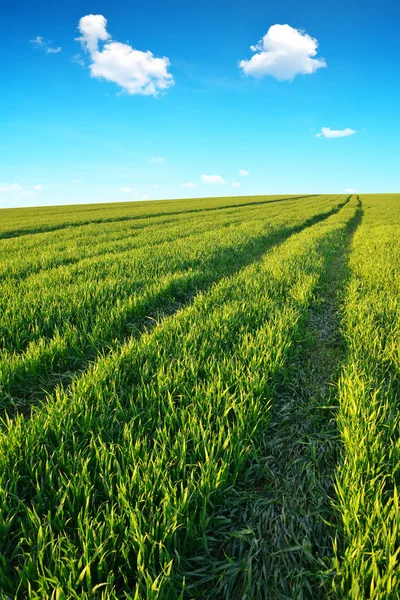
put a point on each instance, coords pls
(200, 400)
(367, 483)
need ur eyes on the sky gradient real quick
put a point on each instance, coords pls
(209, 113)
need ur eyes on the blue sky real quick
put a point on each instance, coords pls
(199, 117)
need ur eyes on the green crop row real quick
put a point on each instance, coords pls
(24, 255)
(368, 479)
(200, 399)
(17, 222)
(116, 486)
(57, 319)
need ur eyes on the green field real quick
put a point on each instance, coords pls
(199, 399)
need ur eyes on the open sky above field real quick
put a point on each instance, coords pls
(208, 111)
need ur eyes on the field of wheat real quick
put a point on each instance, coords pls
(200, 399)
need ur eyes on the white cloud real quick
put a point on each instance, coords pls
(77, 59)
(93, 30)
(283, 52)
(216, 179)
(157, 160)
(14, 193)
(125, 189)
(136, 72)
(145, 197)
(350, 191)
(38, 187)
(75, 180)
(189, 184)
(334, 133)
(235, 184)
(243, 172)
(40, 42)
(15, 189)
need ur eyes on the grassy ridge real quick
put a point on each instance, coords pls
(118, 485)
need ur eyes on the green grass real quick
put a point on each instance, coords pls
(367, 482)
(62, 315)
(27, 220)
(199, 399)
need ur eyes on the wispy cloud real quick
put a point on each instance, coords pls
(283, 52)
(38, 187)
(213, 179)
(40, 42)
(243, 172)
(14, 193)
(157, 160)
(136, 72)
(235, 184)
(78, 60)
(189, 184)
(335, 133)
(125, 189)
(350, 191)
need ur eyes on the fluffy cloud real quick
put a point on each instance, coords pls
(125, 189)
(189, 184)
(93, 30)
(136, 72)
(243, 172)
(38, 187)
(350, 191)
(40, 42)
(157, 160)
(235, 184)
(335, 133)
(283, 52)
(216, 179)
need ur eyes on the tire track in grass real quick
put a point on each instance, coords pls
(281, 545)
(18, 305)
(29, 377)
(22, 232)
(113, 486)
(126, 243)
(146, 232)
(366, 562)
(134, 238)
(121, 248)
(139, 212)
